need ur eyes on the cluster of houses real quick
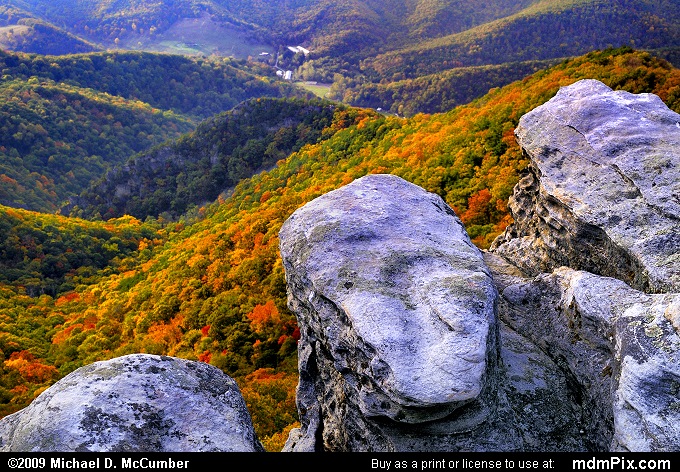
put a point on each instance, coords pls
(286, 74)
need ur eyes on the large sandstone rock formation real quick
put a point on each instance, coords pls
(602, 192)
(135, 403)
(393, 302)
(400, 338)
(408, 346)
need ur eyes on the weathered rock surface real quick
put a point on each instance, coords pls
(618, 347)
(602, 192)
(399, 347)
(135, 403)
(395, 303)
(389, 293)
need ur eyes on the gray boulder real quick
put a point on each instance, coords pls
(600, 194)
(135, 403)
(394, 303)
(618, 346)
(602, 191)
(400, 342)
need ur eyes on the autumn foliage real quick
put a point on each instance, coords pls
(211, 287)
(30, 369)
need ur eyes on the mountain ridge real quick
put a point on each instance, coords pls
(196, 169)
(371, 42)
(67, 119)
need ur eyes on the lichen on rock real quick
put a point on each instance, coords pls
(395, 305)
(135, 403)
(602, 191)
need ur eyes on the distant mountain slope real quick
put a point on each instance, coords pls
(21, 31)
(50, 254)
(375, 41)
(195, 169)
(361, 27)
(435, 18)
(65, 120)
(390, 34)
(104, 19)
(325, 23)
(547, 29)
(196, 87)
(56, 138)
(128, 24)
(435, 93)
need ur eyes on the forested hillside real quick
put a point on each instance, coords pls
(546, 30)
(46, 254)
(211, 287)
(64, 121)
(325, 24)
(21, 31)
(196, 169)
(433, 93)
(196, 87)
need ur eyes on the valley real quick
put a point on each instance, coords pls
(359, 46)
(149, 156)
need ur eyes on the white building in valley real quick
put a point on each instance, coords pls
(297, 49)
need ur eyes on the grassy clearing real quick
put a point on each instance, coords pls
(320, 90)
(14, 29)
(200, 36)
